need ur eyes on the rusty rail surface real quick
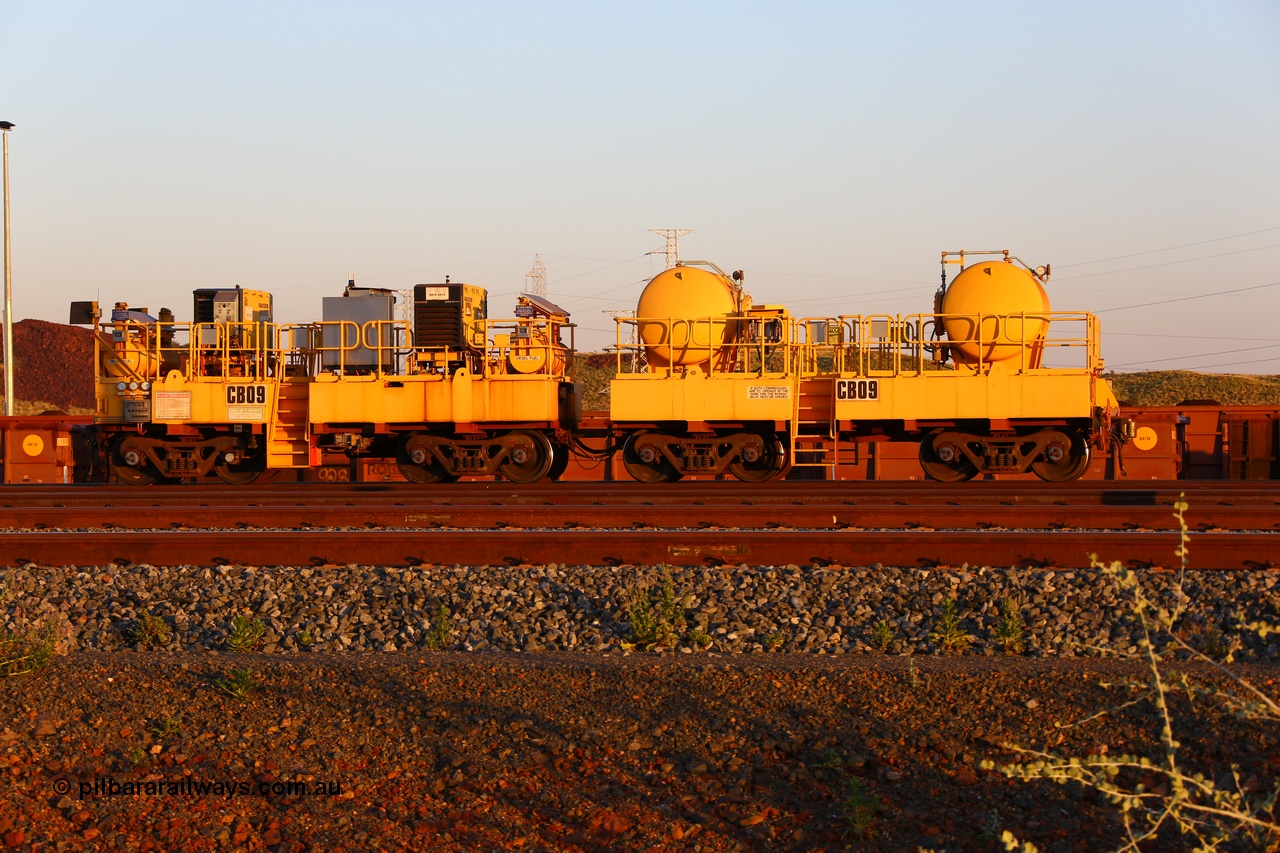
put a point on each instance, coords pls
(770, 514)
(807, 492)
(1234, 525)
(799, 505)
(1214, 550)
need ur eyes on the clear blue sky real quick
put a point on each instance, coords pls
(831, 150)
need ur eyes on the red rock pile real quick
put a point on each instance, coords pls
(53, 364)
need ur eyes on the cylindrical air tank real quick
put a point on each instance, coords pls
(1014, 311)
(683, 316)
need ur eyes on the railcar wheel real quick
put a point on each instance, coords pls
(646, 464)
(131, 465)
(416, 462)
(766, 467)
(530, 460)
(943, 460)
(240, 473)
(1066, 457)
(561, 461)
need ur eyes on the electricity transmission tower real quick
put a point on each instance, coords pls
(406, 306)
(632, 339)
(535, 280)
(673, 235)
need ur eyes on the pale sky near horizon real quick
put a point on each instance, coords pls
(830, 150)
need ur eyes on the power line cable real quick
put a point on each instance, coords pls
(1170, 263)
(1189, 298)
(599, 269)
(846, 296)
(1228, 364)
(1184, 337)
(751, 273)
(441, 268)
(1171, 248)
(1197, 355)
(1258, 361)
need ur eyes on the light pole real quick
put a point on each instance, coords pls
(5, 127)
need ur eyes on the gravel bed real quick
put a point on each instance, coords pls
(372, 741)
(744, 609)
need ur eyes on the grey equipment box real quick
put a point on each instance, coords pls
(355, 307)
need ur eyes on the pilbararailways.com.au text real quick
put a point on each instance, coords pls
(109, 786)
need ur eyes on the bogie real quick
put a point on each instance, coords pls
(522, 456)
(1054, 455)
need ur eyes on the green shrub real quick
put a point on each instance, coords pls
(148, 632)
(947, 635)
(883, 636)
(655, 620)
(238, 685)
(166, 726)
(698, 637)
(1010, 630)
(438, 637)
(28, 648)
(858, 808)
(28, 651)
(245, 635)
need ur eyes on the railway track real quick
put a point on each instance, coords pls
(1234, 525)
(807, 512)
(809, 492)
(1215, 550)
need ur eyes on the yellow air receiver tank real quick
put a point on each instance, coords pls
(1014, 311)
(684, 314)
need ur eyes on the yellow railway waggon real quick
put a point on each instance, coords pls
(991, 382)
(451, 392)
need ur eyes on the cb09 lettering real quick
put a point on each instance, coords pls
(858, 389)
(246, 394)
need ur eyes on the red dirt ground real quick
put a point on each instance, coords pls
(566, 752)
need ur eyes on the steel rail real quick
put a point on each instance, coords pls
(811, 493)
(847, 548)
(770, 514)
